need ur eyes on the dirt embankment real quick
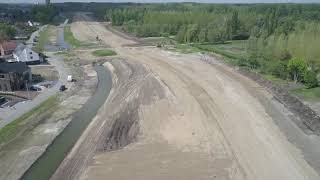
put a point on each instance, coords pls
(172, 116)
(117, 123)
(18, 155)
(309, 118)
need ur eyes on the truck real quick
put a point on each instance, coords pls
(69, 78)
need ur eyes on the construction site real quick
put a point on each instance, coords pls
(149, 113)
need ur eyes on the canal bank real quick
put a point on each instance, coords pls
(46, 165)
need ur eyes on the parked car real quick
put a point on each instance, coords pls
(69, 79)
(35, 88)
(62, 88)
(2, 100)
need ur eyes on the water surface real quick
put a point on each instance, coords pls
(47, 164)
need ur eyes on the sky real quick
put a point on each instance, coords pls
(143, 1)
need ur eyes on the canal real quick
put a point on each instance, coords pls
(47, 164)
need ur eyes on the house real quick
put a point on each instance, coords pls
(7, 48)
(25, 54)
(30, 24)
(13, 76)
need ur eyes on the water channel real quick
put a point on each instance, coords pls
(47, 164)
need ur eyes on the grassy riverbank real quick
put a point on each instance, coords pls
(70, 39)
(43, 39)
(26, 121)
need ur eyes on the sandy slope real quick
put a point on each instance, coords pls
(187, 120)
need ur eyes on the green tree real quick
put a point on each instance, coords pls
(310, 79)
(181, 35)
(3, 37)
(277, 68)
(296, 68)
(203, 35)
(7, 31)
(235, 23)
(44, 14)
(192, 33)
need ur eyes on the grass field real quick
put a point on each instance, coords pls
(20, 124)
(103, 52)
(159, 40)
(43, 39)
(275, 80)
(70, 39)
(232, 49)
(312, 94)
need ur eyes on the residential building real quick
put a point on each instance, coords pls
(13, 76)
(25, 54)
(7, 48)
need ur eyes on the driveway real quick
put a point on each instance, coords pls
(9, 114)
(33, 36)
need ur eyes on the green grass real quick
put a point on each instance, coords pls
(18, 125)
(275, 80)
(67, 55)
(75, 43)
(103, 52)
(184, 48)
(232, 49)
(43, 39)
(312, 94)
(70, 39)
(159, 40)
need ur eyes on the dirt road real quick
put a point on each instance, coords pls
(173, 116)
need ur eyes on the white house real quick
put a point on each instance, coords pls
(25, 54)
(30, 23)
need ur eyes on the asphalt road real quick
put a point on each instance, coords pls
(33, 35)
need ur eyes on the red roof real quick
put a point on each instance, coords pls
(8, 45)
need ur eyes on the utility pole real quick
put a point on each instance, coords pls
(28, 90)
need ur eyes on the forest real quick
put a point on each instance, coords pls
(280, 39)
(13, 18)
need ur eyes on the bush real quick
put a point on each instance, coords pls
(310, 79)
(277, 68)
(296, 68)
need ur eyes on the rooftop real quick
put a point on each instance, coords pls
(18, 67)
(8, 45)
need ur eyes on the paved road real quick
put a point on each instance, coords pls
(33, 35)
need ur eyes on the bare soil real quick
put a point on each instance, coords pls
(173, 116)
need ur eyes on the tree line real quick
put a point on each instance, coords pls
(282, 39)
(14, 18)
(7, 31)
